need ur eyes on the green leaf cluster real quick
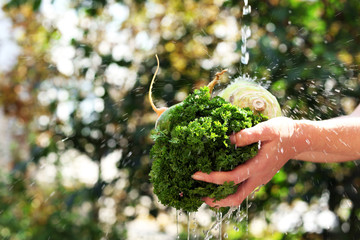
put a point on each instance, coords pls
(194, 136)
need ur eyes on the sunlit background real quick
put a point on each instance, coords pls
(75, 120)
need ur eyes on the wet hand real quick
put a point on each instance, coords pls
(279, 143)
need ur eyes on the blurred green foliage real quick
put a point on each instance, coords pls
(306, 51)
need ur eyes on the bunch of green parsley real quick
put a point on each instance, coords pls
(194, 136)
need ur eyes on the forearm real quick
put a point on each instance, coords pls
(320, 157)
(332, 140)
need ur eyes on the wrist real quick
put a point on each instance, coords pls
(304, 132)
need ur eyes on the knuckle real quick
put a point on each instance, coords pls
(270, 131)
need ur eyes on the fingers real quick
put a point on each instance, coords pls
(244, 190)
(213, 177)
(218, 177)
(261, 163)
(251, 135)
(238, 175)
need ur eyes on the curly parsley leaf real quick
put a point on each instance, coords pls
(194, 136)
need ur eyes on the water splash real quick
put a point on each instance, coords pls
(218, 224)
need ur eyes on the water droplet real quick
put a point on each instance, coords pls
(246, 10)
(243, 49)
(245, 58)
(343, 142)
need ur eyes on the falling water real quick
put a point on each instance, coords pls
(194, 230)
(239, 215)
(247, 216)
(188, 226)
(217, 225)
(178, 213)
(245, 35)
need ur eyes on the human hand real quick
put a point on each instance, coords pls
(279, 143)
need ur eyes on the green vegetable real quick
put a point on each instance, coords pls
(194, 136)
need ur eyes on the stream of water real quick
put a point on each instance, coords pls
(216, 229)
(245, 35)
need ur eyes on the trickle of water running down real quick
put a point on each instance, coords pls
(217, 224)
(194, 229)
(219, 218)
(245, 35)
(188, 226)
(177, 224)
(240, 215)
(247, 217)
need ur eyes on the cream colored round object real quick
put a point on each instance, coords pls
(244, 93)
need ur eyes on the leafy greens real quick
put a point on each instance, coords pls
(194, 136)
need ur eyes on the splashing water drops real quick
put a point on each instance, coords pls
(218, 224)
(240, 215)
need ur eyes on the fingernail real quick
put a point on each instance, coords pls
(198, 176)
(233, 139)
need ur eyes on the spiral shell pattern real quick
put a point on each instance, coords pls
(244, 93)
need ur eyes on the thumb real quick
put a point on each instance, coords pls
(251, 135)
